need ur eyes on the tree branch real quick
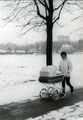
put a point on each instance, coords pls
(38, 11)
(28, 23)
(40, 25)
(41, 3)
(29, 29)
(46, 4)
(62, 5)
(76, 30)
(35, 26)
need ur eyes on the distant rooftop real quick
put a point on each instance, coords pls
(63, 37)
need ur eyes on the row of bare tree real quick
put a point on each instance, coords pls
(40, 47)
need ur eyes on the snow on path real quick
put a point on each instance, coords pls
(74, 112)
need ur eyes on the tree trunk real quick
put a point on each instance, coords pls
(49, 44)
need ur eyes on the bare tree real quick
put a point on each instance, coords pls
(36, 14)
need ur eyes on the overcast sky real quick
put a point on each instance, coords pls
(10, 33)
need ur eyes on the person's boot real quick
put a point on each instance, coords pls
(62, 95)
(72, 90)
(63, 91)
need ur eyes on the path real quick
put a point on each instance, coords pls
(22, 111)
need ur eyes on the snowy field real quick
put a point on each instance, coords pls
(19, 81)
(19, 75)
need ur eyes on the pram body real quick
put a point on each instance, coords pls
(50, 75)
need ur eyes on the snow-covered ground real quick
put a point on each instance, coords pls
(19, 75)
(19, 81)
(74, 112)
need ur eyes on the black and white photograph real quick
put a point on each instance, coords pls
(41, 59)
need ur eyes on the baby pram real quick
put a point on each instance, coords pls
(50, 75)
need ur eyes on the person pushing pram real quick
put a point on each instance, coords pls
(65, 66)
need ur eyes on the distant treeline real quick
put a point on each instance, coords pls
(40, 47)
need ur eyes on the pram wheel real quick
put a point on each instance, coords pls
(55, 95)
(50, 90)
(43, 93)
